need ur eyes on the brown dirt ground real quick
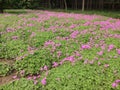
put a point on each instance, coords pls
(9, 78)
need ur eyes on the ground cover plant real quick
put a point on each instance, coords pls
(59, 51)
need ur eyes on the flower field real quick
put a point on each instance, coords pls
(44, 50)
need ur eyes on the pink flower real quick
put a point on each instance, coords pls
(29, 78)
(10, 29)
(96, 58)
(45, 68)
(85, 47)
(47, 43)
(91, 62)
(38, 76)
(110, 47)
(14, 77)
(103, 47)
(55, 64)
(41, 69)
(30, 48)
(96, 45)
(77, 53)
(86, 61)
(118, 51)
(72, 26)
(43, 81)
(117, 81)
(33, 34)
(58, 45)
(59, 53)
(74, 34)
(99, 63)
(115, 56)
(87, 23)
(35, 82)
(61, 62)
(100, 53)
(114, 85)
(106, 65)
(14, 37)
(30, 25)
(80, 58)
(70, 58)
(34, 77)
(46, 73)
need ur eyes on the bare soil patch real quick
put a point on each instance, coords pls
(7, 79)
(7, 61)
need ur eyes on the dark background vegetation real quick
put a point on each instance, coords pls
(101, 7)
(61, 4)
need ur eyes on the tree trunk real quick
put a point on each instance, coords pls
(113, 5)
(65, 4)
(83, 5)
(61, 4)
(76, 4)
(102, 4)
(1, 6)
(87, 4)
(49, 4)
(90, 4)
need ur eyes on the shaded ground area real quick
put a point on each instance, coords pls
(7, 79)
(17, 11)
(6, 61)
(6, 71)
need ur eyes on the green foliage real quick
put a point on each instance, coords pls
(11, 49)
(5, 69)
(22, 84)
(80, 77)
(37, 29)
(39, 59)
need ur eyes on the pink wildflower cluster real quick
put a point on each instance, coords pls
(33, 34)
(55, 64)
(100, 53)
(74, 34)
(115, 84)
(30, 25)
(59, 53)
(87, 23)
(106, 25)
(70, 58)
(45, 68)
(43, 81)
(34, 78)
(86, 46)
(118, 51)
(14, 37)
(10, 30)
(54, 46)
(47, 43)
(72, 26)
(110, 47)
